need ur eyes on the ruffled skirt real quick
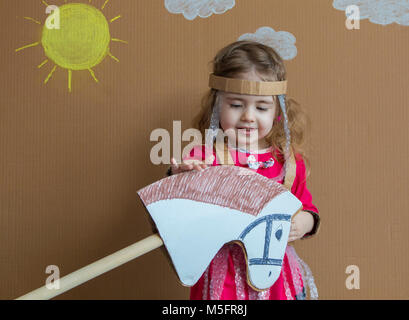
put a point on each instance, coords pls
(226, 279)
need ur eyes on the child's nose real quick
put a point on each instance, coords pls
(247, 115)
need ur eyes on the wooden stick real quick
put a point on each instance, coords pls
(97, 268)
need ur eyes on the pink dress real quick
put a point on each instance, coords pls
(225, 277)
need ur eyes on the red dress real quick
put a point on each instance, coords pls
(225, 278)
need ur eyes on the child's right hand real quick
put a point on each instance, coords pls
(187, 165)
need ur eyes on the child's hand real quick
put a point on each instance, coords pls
(302, 223)
(187, 165)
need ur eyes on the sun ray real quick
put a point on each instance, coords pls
(69, 80)
(113, 57)
(119, 40)
(50, 74)
(32, 19)
(116, 18)
(105, 3)
(93, 75)
(42, 63)
(28, 46)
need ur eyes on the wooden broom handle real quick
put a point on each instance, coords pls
(97, 268)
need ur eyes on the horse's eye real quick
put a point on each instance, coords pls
(279, 233)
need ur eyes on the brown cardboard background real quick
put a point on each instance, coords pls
(70, 164)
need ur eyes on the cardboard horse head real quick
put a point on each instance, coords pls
(197, 212)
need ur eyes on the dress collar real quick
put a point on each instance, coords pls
(251, 151)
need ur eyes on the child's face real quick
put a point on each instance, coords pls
(240, 111)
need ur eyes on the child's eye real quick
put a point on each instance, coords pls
(236, 105)
(262, 109)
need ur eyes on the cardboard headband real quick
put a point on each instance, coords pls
(259, 88)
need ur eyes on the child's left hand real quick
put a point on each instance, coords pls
(302, 223)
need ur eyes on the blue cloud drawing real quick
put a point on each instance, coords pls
(381, 12)
(281, 41)
(202, 8)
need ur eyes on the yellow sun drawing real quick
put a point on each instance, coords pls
(80, 42)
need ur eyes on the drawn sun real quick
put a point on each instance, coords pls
(81, 41)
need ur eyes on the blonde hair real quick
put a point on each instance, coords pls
(242, 57)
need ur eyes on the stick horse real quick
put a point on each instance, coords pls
(191, 210)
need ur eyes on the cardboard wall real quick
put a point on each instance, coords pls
(71, 163)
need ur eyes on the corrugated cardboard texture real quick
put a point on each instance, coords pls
(70, 164)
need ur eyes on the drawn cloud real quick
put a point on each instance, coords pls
(202, 8)
(381, 12)
(281, 41)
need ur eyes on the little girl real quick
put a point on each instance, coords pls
(265, 131)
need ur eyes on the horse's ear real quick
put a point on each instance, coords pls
(291, 171)
(223, 155)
